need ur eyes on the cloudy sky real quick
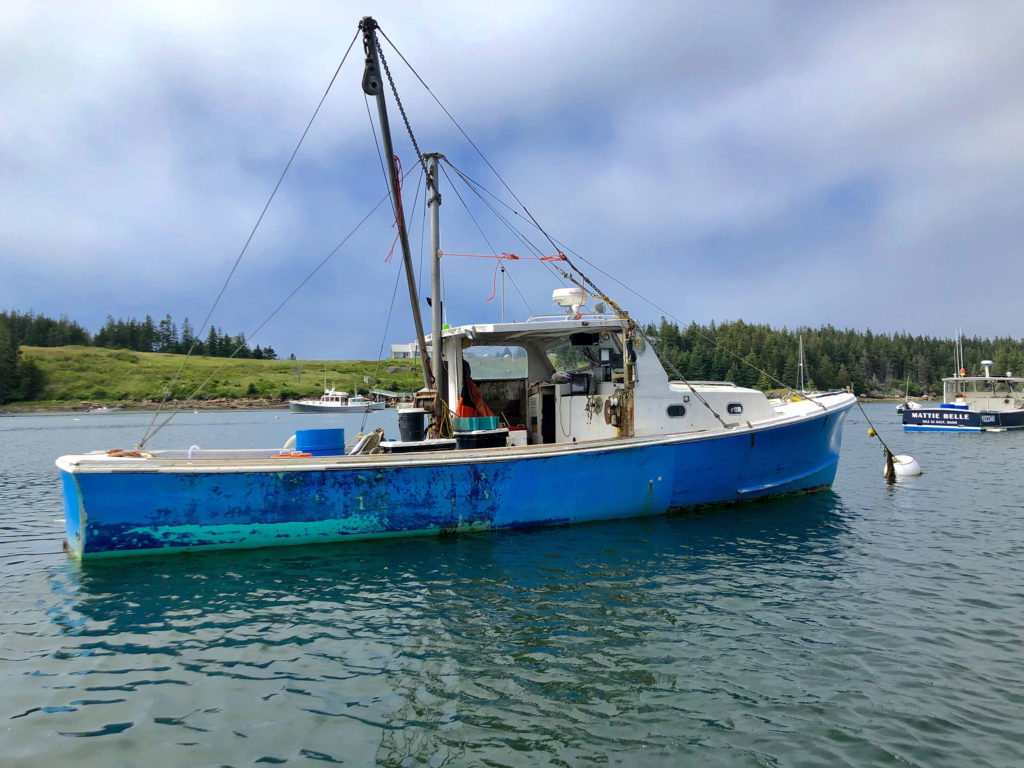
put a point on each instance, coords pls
(791, 163)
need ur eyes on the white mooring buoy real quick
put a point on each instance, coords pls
(905, 466)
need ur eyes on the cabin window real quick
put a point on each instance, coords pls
(675, 411)
(496, 362)
(574, 356)
(735, 408)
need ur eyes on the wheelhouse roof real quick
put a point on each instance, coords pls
(547, 332)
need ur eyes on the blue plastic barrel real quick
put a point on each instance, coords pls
(320, 442)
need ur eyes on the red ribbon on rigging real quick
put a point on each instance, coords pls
(505, 256)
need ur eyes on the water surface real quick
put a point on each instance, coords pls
(872, 625)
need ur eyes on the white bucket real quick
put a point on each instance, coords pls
(516, 437)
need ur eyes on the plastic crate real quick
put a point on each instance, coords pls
(474, 423)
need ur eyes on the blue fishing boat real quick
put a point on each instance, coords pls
(592, 428)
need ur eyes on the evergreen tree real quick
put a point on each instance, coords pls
(188, 337)
(9, 374)
(33, 380)
(167, 336)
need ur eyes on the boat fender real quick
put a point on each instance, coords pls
(289, 444)
(903, 466)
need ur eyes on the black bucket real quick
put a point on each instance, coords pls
(489, 438)
(411, 424)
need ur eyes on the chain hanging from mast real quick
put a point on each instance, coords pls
(372, 87)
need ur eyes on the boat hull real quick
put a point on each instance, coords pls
(960, 420)
(300, 407)
(162, 510)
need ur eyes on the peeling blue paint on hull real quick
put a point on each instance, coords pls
(145, 512)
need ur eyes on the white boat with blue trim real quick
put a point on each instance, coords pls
(335, 401)
(610, 436)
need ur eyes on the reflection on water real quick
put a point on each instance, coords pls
(872, 625)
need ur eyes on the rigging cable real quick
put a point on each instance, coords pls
(269, 317)
(597, 292)
(213, 307)
(466, 135)
(391, 309)
(583, 279)
(401, 108)
(387, 325)
(713, 341)
(476, 187)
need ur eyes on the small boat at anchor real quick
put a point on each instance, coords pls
(334, 401)
(605, 433)
(971, 404)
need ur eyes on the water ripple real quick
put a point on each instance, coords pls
(874, 625)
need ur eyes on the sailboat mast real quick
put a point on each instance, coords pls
(372, 86)
(801, 364)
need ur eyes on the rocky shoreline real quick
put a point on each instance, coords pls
(228, 404)
(213, 404)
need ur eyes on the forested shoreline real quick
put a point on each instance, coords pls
(28, 329)
(749, 354)
(21, 377)
(873, 364)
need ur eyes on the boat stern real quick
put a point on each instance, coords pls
(74, 509)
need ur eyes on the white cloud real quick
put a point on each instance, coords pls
(672, 144)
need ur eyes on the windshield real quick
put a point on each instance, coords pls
(496, 362)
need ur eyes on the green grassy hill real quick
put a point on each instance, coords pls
(93, 374)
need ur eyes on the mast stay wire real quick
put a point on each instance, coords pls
(615, 307)
(170, 388)
(469, 213)
(150, 431)
(541, 229)
(465, 135)
(387, 322)
(455, 122)
(398, 223)
(476, 187)
(258, 328)
(289, 297)
(481, 231)
(709, 339)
